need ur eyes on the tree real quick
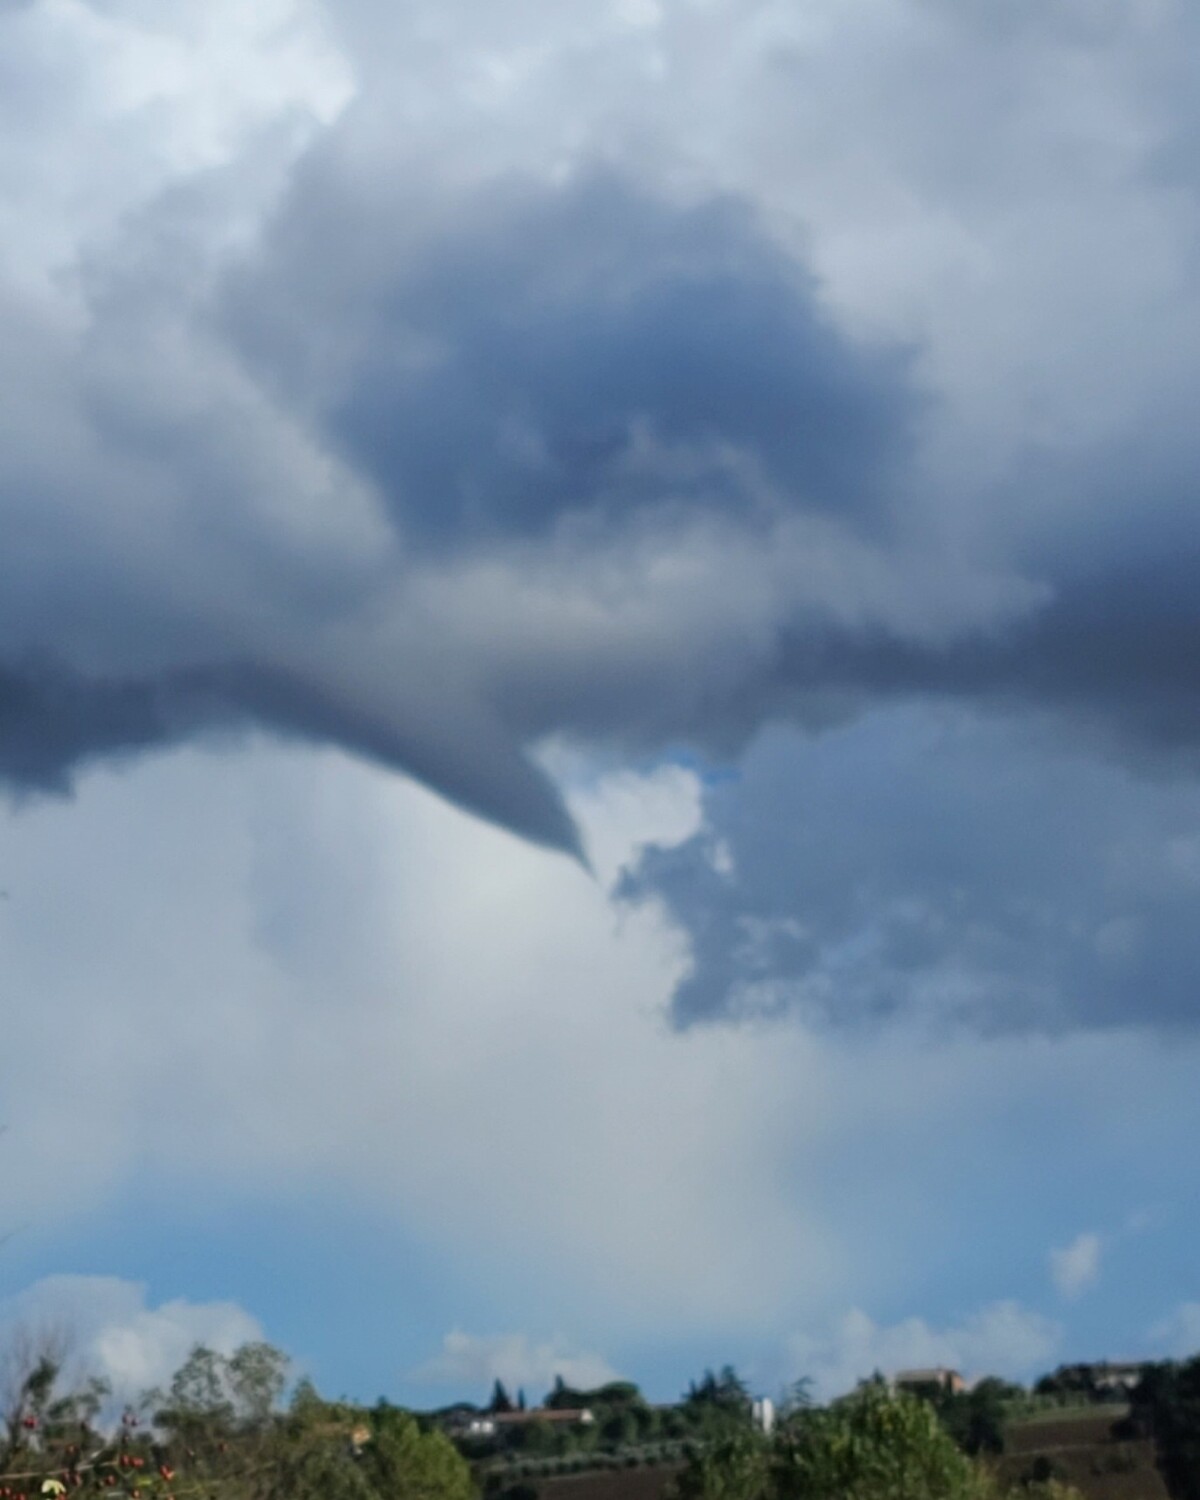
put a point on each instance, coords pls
(30, 1365)
(872, 1445)
(798, 1397)
(538, 1438)
(726, 1390)
(975, 1419)
(619, 1427)
(401, 1463)
(737, 1468)
(222, 1436)
(561, 1397)
(1165, 1405)
(256, 1375)
(717, 1405)
(615, 1393)
(198, 1402)
(310, 1470)
(501, 1401)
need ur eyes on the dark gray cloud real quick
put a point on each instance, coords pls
(930, 861)
(54, 720)
(432, 443)
(550, 352)
(543, 357)
(51, 720)
(1113, 652)
(532, 382)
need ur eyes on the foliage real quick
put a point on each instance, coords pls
(1078, 1383)
(797, 1397)
(975, 1419)
(738, 1468)
(535, 1437)
(401, 1463)
(219, 1433)
(871, 1446)
(718, 1406)
(726, 1390)
(501, 1401)
(1165, 1405)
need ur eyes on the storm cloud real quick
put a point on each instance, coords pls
(749, 447)
(544, 353)
(938, 864)
(441, 436)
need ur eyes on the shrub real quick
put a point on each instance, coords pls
(1044, 1470)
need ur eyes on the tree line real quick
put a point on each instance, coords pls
(229, 1428)
(220, 1431)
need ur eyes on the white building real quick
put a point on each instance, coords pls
(763, 1414)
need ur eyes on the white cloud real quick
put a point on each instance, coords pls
(483, 1028)
(469, 1361)
(1075, 1268)
(108, 1328)
(623, 810)
(1002, 1339)
(296, 973)
(131, 98)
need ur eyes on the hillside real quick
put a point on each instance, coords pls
(1080, 1447)
(1077, 1446)
(612, 1484)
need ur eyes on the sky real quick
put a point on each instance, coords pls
(599, 709)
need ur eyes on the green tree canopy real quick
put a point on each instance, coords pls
(402, 1463)
(873, 1445)
(870, 1446)
(1165, 1405)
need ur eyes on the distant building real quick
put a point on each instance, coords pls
(1115, 1375)
(763, 1414)
(579, 1416)
(928, 1382)
(471, 1424)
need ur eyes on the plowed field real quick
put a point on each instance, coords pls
(609, 1484)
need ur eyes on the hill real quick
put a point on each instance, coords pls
(1081, 1447)
(611, 1484)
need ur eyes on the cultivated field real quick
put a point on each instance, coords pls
(609, 1484)
(1078, 1446)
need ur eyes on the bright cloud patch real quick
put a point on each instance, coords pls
(307, 967)
(1003, 1339)
(469, 1362)
(350, 939)
(104, 1326)
(1075, 1268)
